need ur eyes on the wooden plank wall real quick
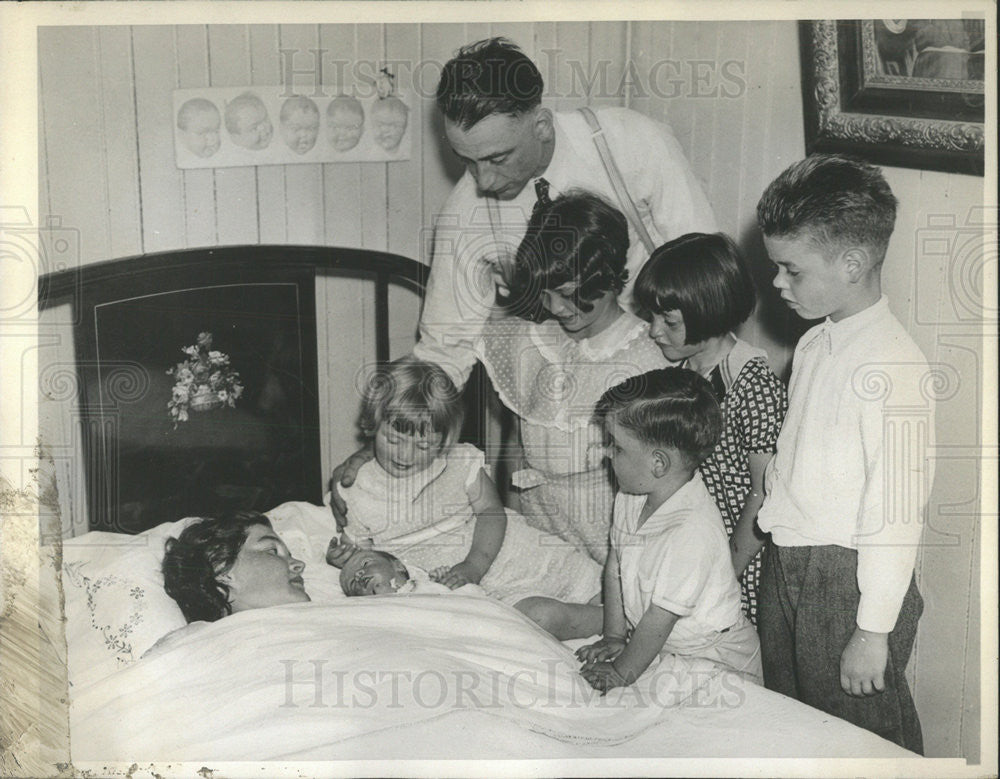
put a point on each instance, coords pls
(110, 170)
(731, 92)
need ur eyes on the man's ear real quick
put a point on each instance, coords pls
(661, 463)
(542, 127)
(856, 262)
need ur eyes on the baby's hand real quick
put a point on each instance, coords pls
(457, 575)
(607, 648)
(602, 676)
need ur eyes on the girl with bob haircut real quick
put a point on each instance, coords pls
(567, 342)
(428, 499)
(220, 565)
(697, 291)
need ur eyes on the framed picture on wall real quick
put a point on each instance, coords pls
(901, 92)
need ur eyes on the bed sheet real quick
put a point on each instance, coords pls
(434, 677)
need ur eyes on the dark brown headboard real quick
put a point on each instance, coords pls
(132, 316)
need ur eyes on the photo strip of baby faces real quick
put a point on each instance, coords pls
(220, 127)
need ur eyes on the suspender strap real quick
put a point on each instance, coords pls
(615, 176)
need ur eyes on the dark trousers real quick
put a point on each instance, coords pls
(808, 604)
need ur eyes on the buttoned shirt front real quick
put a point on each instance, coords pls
(852, 465)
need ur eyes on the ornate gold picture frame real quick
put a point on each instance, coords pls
(901, 92)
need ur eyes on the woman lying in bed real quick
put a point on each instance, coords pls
(217, 567)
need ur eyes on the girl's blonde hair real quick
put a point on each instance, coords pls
(415, 398)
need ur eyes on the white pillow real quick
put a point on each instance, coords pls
(116, 607)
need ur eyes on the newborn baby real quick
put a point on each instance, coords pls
(366, 571)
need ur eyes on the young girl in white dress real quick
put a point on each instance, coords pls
(431, 502)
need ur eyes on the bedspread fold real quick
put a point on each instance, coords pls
(278, 682)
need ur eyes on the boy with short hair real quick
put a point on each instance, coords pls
(838, 601)
(669, 585)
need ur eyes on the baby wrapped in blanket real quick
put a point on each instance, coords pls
(430, 500)
(374, 572)
(427, 519)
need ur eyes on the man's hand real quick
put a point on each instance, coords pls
(607, 649)
(862, 664)
(603, 676)
(343, 476)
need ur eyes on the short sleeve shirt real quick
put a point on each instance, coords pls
(678, 560)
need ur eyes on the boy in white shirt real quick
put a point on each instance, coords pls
(669, 585)
(846, 490)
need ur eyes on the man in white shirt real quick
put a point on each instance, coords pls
(490, 96)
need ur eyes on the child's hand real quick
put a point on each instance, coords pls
(603, 676)
(862, 664)
(457, 575)
(342, 547)
(608, 648)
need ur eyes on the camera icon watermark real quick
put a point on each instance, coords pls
(954, 258)
(480, 252)
(26, 253)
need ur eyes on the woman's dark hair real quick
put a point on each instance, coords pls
(702, 275)
(203, 552)
(671, 407)
(491, 76)
(579, 238)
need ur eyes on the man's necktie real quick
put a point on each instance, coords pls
(542, 193)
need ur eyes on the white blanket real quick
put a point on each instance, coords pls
(246, 687)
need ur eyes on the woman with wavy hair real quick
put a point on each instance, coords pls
(221, 565)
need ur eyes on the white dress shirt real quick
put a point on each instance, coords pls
(852, 466)
(473, 232)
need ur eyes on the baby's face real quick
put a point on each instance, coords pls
(255, 128)
(346, 127)
(201, 136)
(369, 573)
(299, 131)
(389, 120)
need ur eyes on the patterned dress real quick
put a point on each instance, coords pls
(754, 405)
(552, 383)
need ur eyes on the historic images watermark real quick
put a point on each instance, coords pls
(319, 73)
(320, 683)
